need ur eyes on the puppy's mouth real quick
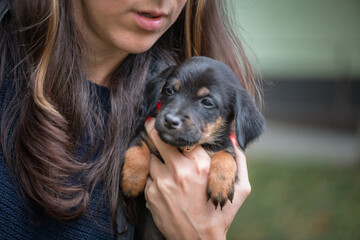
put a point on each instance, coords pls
(177, 141)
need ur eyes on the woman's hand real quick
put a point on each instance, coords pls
(176, 193)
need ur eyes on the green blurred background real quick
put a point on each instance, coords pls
(305, 170)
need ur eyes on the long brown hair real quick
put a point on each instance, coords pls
(51, 111)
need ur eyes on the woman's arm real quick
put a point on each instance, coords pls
(176, 193)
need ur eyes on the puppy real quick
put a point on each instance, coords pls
(202, 102)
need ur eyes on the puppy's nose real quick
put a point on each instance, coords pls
(172, 122)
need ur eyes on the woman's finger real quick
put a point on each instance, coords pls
(243, 186)
(242, 165)
(149, 185)
(200, 158)
(164, 149)
(157, 167)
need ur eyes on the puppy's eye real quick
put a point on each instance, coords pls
(169, 91)
(207, 102)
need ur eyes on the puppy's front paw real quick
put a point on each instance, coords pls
(221, 180)
(135, 170)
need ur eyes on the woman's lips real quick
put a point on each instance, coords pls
(149, 21)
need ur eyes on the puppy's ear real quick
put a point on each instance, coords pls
(249, 122)
(153, 89)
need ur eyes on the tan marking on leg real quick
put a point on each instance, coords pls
(220, 186)
(203, 92)
(135, 170)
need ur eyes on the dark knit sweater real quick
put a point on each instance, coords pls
(17, 223)
(15, 220)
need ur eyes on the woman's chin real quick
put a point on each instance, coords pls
(136, 45)
(140, 48)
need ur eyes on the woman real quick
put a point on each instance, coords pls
(72, 74)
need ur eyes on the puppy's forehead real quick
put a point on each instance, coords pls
(195, 85)
(200, 80)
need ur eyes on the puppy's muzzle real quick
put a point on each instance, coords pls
(173, 122)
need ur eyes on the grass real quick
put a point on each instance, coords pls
(290, 200)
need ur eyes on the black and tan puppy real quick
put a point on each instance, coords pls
(202, 102)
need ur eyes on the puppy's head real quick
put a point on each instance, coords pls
(200, 100)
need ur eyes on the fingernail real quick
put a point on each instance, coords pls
(233, 139)
(158, 105)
